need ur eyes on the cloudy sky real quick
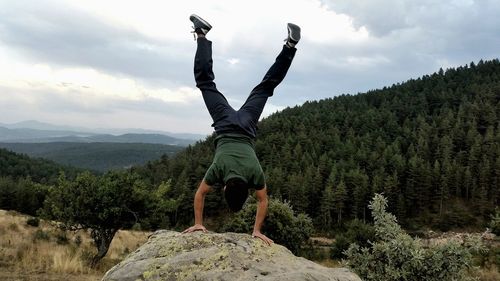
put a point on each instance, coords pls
(128, 64)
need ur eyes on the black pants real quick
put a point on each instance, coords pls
(244, 120)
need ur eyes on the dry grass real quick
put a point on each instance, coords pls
(489, 274)
(330, 263)
(46, 253)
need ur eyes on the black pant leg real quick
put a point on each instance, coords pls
(216, 103)
(251, 110)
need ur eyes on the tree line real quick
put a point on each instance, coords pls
(25, 181)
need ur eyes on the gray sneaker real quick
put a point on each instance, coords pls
(293, 33)
(200, 25)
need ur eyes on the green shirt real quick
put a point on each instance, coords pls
(235, 157)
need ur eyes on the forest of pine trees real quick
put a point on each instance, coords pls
(24, 181)
(431, 145)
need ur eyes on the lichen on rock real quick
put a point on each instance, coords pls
(172, 256)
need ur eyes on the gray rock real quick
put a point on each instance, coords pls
(172, 256)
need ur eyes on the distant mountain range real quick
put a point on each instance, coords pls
(94, 149)
(38, 132)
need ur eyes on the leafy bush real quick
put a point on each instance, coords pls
(13, 227)
(495, 222)
(356, 232)
(341, 244)
(312, 252)
(78, 240)
(41, 235)
(397, 256)
(136, 227)
(61, 238)
(282, 224)
(458, 215)
(33, 221)
(87, 256)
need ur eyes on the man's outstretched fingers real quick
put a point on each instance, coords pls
(263, 238)
(194, 228)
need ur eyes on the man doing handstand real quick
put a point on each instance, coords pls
(235, 164)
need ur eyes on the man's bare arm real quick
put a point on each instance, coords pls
(261, 215)
(199, 202)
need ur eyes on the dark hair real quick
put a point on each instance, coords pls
(236, 193)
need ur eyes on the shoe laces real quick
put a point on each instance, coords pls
(194, 33)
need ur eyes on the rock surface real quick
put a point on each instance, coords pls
(172, 256)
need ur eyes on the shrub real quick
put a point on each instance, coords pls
(78, 240)
(495, 222)
(33, 221)
(341, 244)
(356, 232)
(458, 216)
(87, 256)
(312, 252)
(126, 251)
(41, 235)
(397, 256)
(13, 227)
(281, 225)
(61, 238)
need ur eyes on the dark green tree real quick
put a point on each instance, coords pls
(101, 204)
(327, 204)
(340, 199)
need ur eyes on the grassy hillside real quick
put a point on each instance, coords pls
(95, 156)
(44, 253)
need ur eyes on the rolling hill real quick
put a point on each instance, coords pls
(97, 156)
(16, 165)
(37, 125)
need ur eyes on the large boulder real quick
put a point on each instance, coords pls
(172, 256)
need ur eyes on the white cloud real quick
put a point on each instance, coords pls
(252, 21)
(383, 17)
(88, 83)
(233, 61)
(270, 109)
(131, 61)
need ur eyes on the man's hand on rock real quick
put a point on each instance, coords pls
(258, 234)
(196, 227)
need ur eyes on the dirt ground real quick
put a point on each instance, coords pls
(43, 276)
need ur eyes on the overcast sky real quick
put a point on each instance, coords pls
(128, 64)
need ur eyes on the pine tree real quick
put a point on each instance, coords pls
(340, 198)
(327, 204)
